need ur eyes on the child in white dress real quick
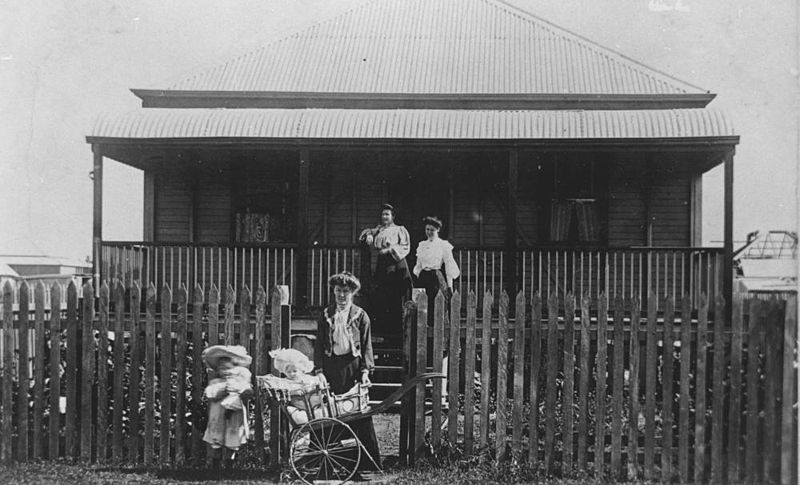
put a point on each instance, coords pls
(227, 418)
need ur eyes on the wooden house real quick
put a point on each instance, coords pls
(556, 164)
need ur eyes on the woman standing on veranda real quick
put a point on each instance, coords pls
(392, 277)
(436, 268)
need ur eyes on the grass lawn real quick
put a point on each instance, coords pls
(68, 473)
(474, 470)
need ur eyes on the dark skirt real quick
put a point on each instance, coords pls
(433, 280)
(342, 372)
(392, 288)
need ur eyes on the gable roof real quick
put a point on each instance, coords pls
(421, 48)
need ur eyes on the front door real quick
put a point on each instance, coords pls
(419, 188)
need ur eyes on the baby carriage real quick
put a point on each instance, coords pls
(322, 445)
(326, 447)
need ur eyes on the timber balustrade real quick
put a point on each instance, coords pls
(176, 264)
(546, 269)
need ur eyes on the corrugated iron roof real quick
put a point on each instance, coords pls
(421, 124)
(434, 46)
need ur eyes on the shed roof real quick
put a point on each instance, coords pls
(430, 47)
(419, 124)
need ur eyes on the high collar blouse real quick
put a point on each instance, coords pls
(435, 254)
(395, 238)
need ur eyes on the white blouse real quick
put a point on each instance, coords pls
(341, 343)
(434, 254)
(395, 238)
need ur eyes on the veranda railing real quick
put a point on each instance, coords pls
(546, 269)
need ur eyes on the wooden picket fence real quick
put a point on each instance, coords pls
(620, 392)
(119, 378)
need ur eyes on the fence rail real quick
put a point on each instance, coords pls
(623, 391)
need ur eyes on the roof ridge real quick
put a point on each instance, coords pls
(246, 70)
(503, 4)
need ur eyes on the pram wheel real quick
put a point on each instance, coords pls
(325, 449)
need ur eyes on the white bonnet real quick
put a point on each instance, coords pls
(282, 358)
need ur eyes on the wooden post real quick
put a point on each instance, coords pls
(97, 225)
(696, 210)
(510, 269)
(8, 375)
(149, 209)
(727, 273)
(451, 197)
(301, 298)
(194, 228)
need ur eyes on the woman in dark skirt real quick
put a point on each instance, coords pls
(436, 268)
(343, 352)
(392, 277)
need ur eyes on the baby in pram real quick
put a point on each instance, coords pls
(296, 367)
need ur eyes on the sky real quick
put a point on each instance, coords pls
(62, 63)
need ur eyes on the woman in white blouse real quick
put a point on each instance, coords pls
(392, 277)
(436, 268)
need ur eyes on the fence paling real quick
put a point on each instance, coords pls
(700, 391)
(180, 367)
(197, 446)
(23, 377)
(583, 384)
(486, 366)
(87, 372)
(119, 372)
(8, 376)
(735, 414)
(438, 354)
(102, 375)
(54, 419)
(71, 371)
(718, 384)
(135, 373)
(789, 397)
(422, 359)
(469, 372)
(633, 416)
(617, 378)
(600, 388)
(38, 372)
(533, 419)
(519, 377)
(650, 390)
(668, 393)
(551, 389)
(501, 421)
